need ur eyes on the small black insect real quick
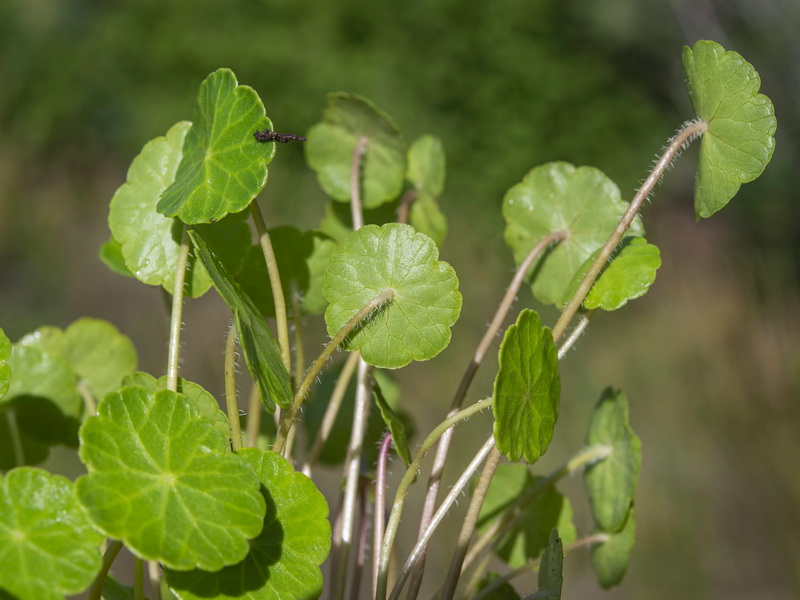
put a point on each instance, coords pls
(272, 136)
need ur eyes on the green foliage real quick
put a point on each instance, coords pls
(415, 325)
(47, 545)
(739, 139)
(111, 255)
(505, 591)
(394, 422)
(628, 276)
(526, 390)
(222, 166)
(547, 511)
(610, 559)
(332, 143)
(150, 243)
(284, 559)
(582, 202)
(426, 173)
(551, 576)
(5, 368)
(302, 258)
(611, 482)
(260, 349)
(161, 479)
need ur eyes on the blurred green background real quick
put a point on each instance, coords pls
(710, 358)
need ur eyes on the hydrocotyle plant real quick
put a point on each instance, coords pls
(218, 511)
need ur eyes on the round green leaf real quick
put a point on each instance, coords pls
(628, 276)
(332, 142)
(415, 325)
(302, 258)
(150, 242)
(283, 562)
(558, 196)
(5, 368)
(610, 559)
(48, 548)
(611, 482)
(526, 390)
(43, 395)
(203, 401)
(547, 511)
(426, 165)
(111, 255)
(739, 140)
(223, 167)
(162, 480)
(426, 218)
(551, 577)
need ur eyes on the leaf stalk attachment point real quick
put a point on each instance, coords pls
(96, 591)
(687, 134)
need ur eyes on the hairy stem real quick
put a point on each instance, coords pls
(684, 136)
(352, 465)
(361, 549)
(492, 536)
(253, 417)
(488, 338)
(331, 412)
(177, 313)
(275, 284)
(468, 527)
(231, 401)
(419, 549)
(299, 354)
(576, 333)
(408, 479)
(95, 592)
(302, 391)
(380, 506)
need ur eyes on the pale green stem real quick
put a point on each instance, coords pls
(231, 400)
(16, 441)
(408, 479)
(495, 532)
(598, 538)
(275, 283)
(470, 520)
(253, 417)
(684, 136)
(302, 391)
(355, 183)
(331, 412)
(488, 338)
(352, 464)
(88, 398)
(177, 313)
(577, 332)
(418, 551)
(476, 576)
(299, 354)
(96, 591)
(138, 578)
(158, 586)
(289, 446)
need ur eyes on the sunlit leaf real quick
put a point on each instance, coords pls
(611, 482)
(426, 165)
(284, 560)
(150, 242)
(261, 352)
(628, 276)
(203, 401)
(739, 140)
(426, 217)
(223, 167)
(332, 142)
(549, 510)
(415, 325)
(610, 559)
(162, 480)
(551, 576)
(48, 548)
(580, 201)
(526, 390)
(302, 258)
(111, 255)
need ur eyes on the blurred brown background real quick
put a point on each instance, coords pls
(710, 358)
